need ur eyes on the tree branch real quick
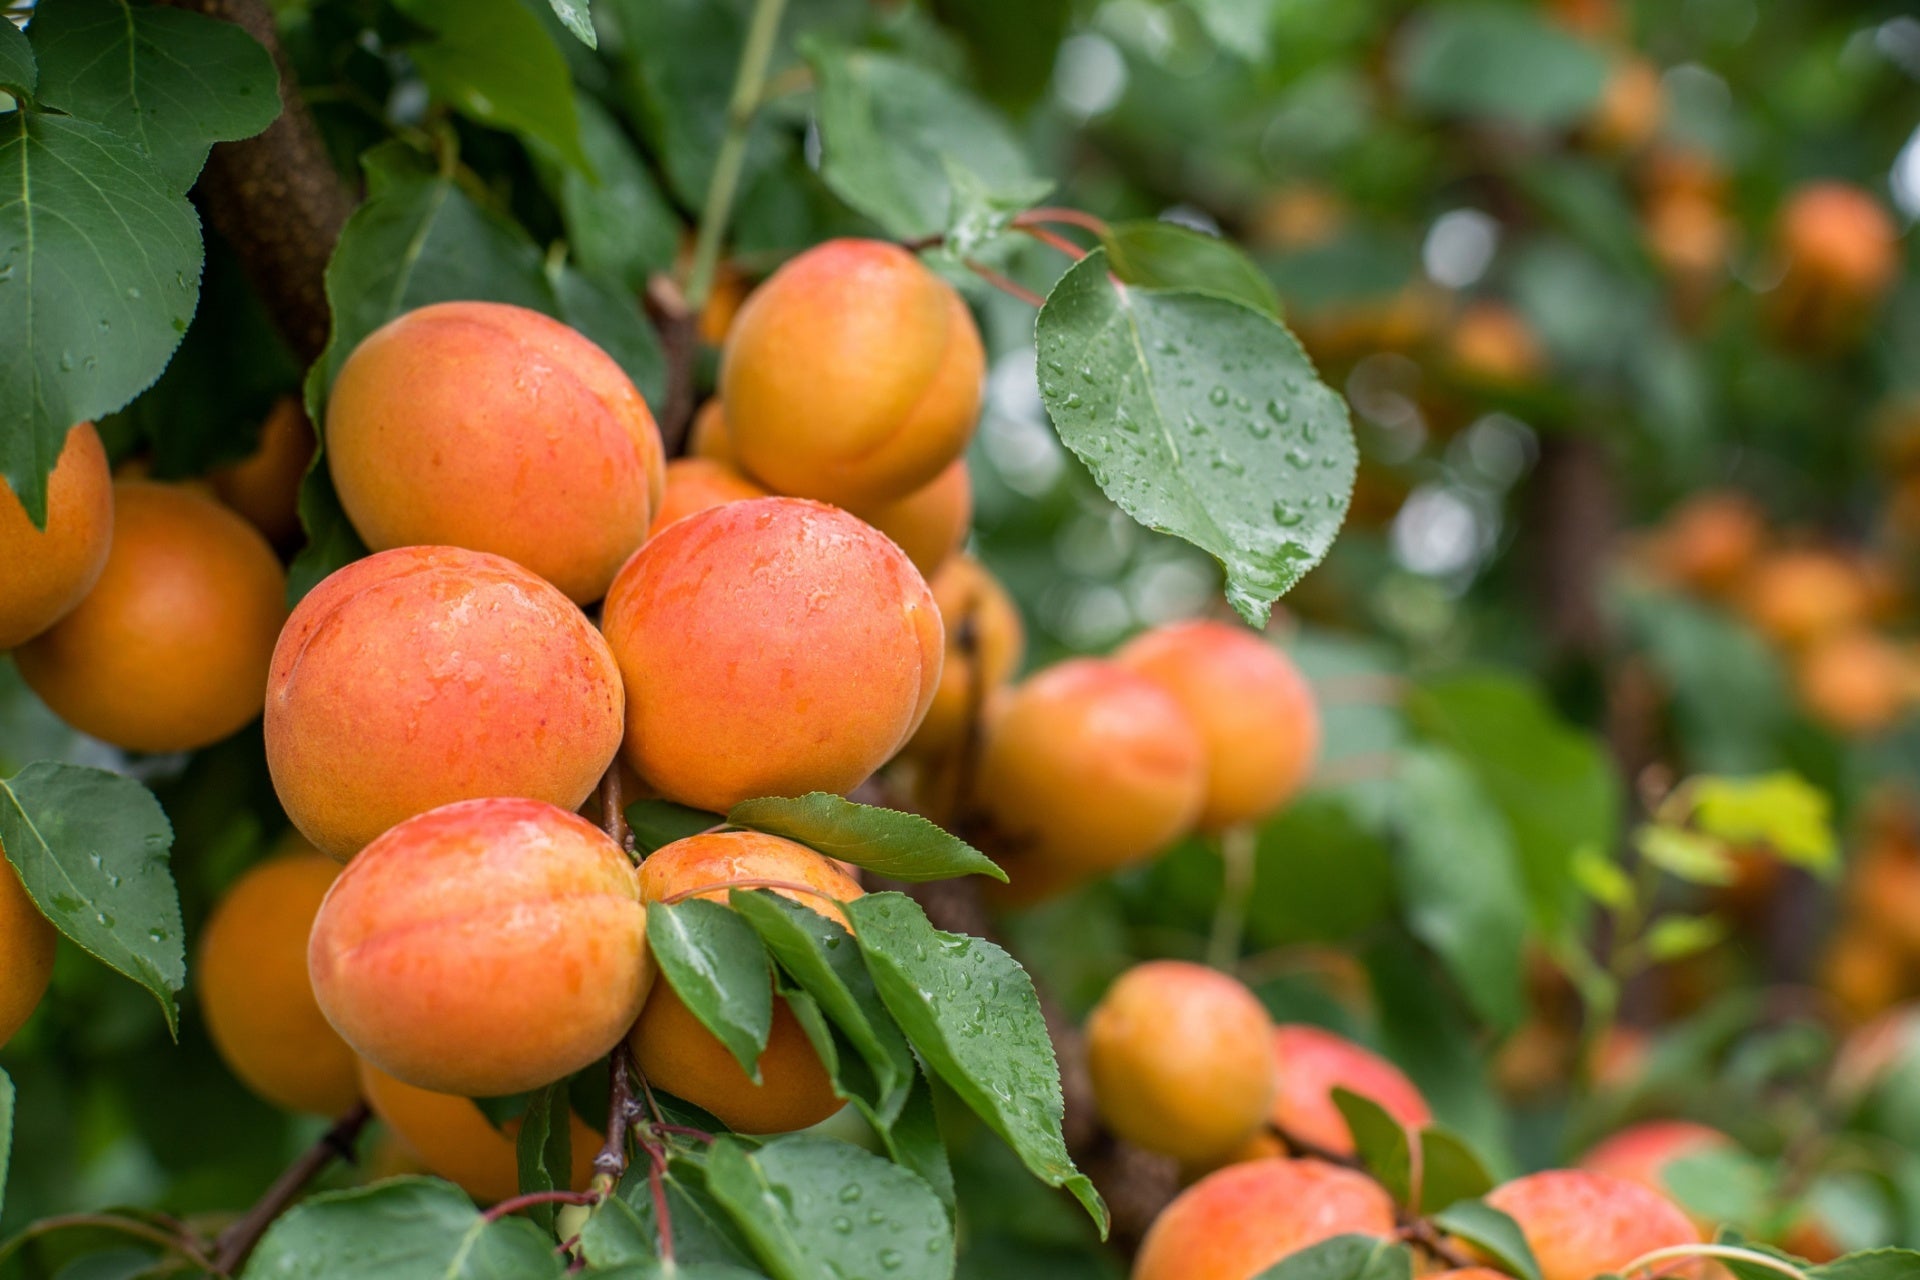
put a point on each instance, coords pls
(238, 1240)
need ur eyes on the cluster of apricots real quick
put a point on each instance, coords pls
(1873, 960)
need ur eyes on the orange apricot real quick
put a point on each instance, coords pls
(1255, 712)
(931, 522)
(265, 485)
(26, 952)
(770, 647)
(1581, 1224)
(425, 675)
(1631, 107)
(1865, 971)
(44, 573)
(1640, 1153)
(1856, 682)
(1797, 596)
(1181, 1057)
(255, 993)
(1711, 540)
(1492, 344)
(708, 437)
(695, 484)
(984, 642)
(1239, 1221)
(1313, 1063)
(169, 651)
(483, 948)
(1838, 240)
(853, 375)
(495, 428)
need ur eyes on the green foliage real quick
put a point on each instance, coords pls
(1499, 62)
(1345, 1258)
(409, 1229)
(544, 1147)
(900, 846)
(717, 966)
(1381, 1142)
(1479, 1223)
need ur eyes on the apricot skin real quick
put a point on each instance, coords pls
(169, 651)
(26, 952)
(255, 993)
(1313, 1063)
(770, 647)
(1182, 1060)
(853, 375)
(425, 675)
(1239, 1221)
(1255, 712)
(265, 485)
(44, 573)
(491, 427)
(1581, 1224)
(968, 597)
(1641, 1153)
(697, 484)
(483, 948)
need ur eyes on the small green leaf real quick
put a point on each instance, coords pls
(1685, 855)
(1500, 62)
(503, 1109)
(1345, 1258)
(621, 1230)
(1166, 255)
(18, 73)
(608, 314)
(6, 1129)
(1873, 1264)
(901, 846)
(1783, 810)
(1450, 1171)
(92, 848)
(981, 213)
(401, 1229)
(495, 62)
(545, 1147)
(716, 965)
(658, 823)
(1479, 1223)
(1242, 27)
(1381, 1142)
(1677, 937)
(1601, 878)
(574, 15)
(1721, 1186)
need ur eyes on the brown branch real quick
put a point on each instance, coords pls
(678, 328)
(613, 812)
(1426, 1237)
(238, 1240)
(623, 1109)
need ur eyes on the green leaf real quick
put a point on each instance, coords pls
(981, 213)
(1500, 62)
(1166, 255)
(1685, 855)
(1381, 1142)
(1874, 1264)
(970, 1011)
(1344, 1258)
(619, 225)
(1781, 810)
(610, 315)
(1479, 1223)
(170, 81)
(716, 965)
(901, 846)
(658, 823)
(574, 15)
(544, 1147)
(1320, 874)
(18, 72)
(1676, 937)
(1200, 417)
(1721, 1186)
(817, 1207)
(91, 848)
(99, 276)
(888, 129)
(402, 1229)
(1242, 27)
(621, 1230)
(1601, 878)
(6, 1116)
(1450, 1171)
(495, 62)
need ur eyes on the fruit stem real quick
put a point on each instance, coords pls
(748, 82)
(1230, 916)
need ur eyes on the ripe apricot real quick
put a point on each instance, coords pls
(984, 642)
(679, 1054)
(1709, 541)
(1581, 1224)
(708, 437)
(770, 647)
(1797, 596)
(265, 485)
(853, 375)
(1492, 344)
(1864, 970)
(26, 952)
(931, 522)
(169, 651)
(1313, 1063)
(483, 948)
(1255, 711)
(1237, 1222)
(425, 675)
(1640, 1153)
(1837, 239)
(1182, 1060)
(255, 993)
(1631, 107)
(496, 428)
(1087, 767)
(1690, 235)
(695, 484)
(1856, 682)
(44, 573)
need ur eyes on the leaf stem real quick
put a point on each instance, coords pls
(748, 83)
(1063, 216)
(1005, 284)
(1237, 845)
(513, 1204)
(1052, 240)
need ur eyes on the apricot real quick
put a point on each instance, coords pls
(495, 428)
(1088, 767)
(1864, 971)
(255, 993)
(1798, 596)
(1711, 540)
(1313, 1063)
(1855, 681)
(1837, 240)
(425, 675)
(1492, 344)
(1581, 1224)
(708, 437)
(169, 651)
(770, 647)
(853, 375)
(44, 573)
(1631, 107)
(669, 1043)
(483, 948)
(1181, 1057)
(1690, 235)
(1237, 1222)
(452, 1138)
(26, 952)
(984, 642)
(265, 485)
(1255, 711)
(931, 522)
(1641, 1153)
(695, 484)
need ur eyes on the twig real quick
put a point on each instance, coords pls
(1237, 847)
(678, 328)
(513, 1204)
(1063, 216)
(613, 815)
(238, 1240)
(747, 86)
(184, 1245)
(1423, 1235)
(1010, 287)
(622, 1110)
(1300, 1146)
(1052, 240)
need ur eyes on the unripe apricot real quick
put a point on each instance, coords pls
(451, 1137)
(425, 675)
(1255, 712)
(26, 952)
(1710, 541)
(1492, 344)
(853, 375)
(930, 523)
(1088, 767)
(1313, 1063)
(770, 647)
(1798, 596)
(1640, 1153)
(169, 650)
(1580, 1224)
(44, 573)
(265, 485)
(255, 993)
(1182, 1060)
(679, 1054)
(496, 428)
(1235, 1223)
(695, 484)
(483, 948)
(984, 642)
(1855, 682)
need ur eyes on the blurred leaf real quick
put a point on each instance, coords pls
(1345, 1258)
(1685, 855)
(901, 846)
(6, 1110)
(1479, 1223)
(1876, 1264)
(18, 72)
(494, 61)
(610, 315)
(655, 824)
(1500, 62)
(1199, 417)
(1601, 878)
(1319, 875)
(402, 1229)
(1012, 45)
(1166, 255)
(544, 1148)
(575, 16)
(1781, 810)
(1731, 698)
(981, 213)
(1450, 1171)
(1676, 937)
(1243, 27)
(716, 965)
(1381, 1142)
(619, 224)
(1721, 1186)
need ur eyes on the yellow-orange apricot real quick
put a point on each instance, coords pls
(1239, 1221)
(1641, 1153)
(984, 642)
(1255, 712)
(695, 484)
(1298, 216)
(265, 485)
(26, 952)
(708, 437)
(930, 523)
(425, 675)
(169, 651)
(770, 647)
(44, 573)
(255, 993)
(853, 375)
(1088, 767)
(1854, 681)
(1630, 108)
(451, 1137)
(1797, 596)
(1313, 1063)
(1581, 1224)
(1471, 1273)
(1491, 343)
(1181, 1057)
(491, 427)
(483, 948)
(1839, 239)
(1690, 235)
(1710, 541)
